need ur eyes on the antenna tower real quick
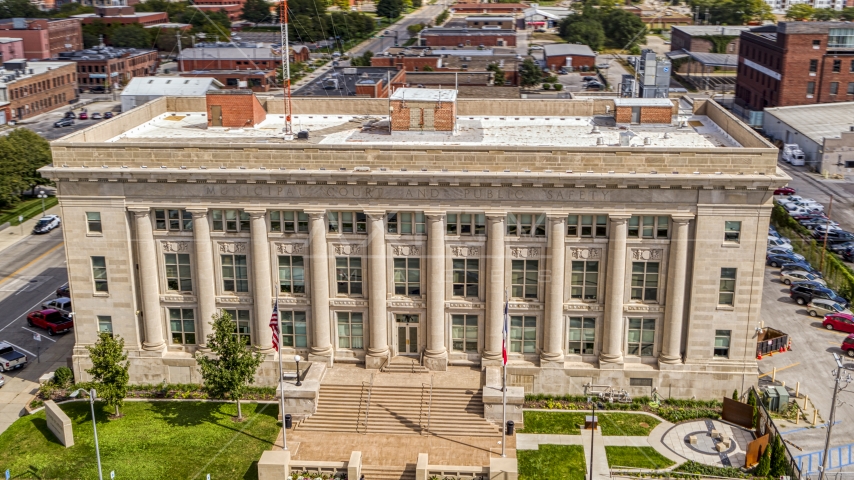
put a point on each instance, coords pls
(286, 70)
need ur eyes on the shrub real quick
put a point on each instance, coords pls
(558, 86)
(63, 377)
(546, 86)
(703, 469)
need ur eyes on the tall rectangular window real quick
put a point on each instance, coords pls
(406, 223)
(591, 226)
(350, 330)
(241, 324)
(526, 225)
(584, 281)
(837, 65)
(178, 272)
(726, 294)
(348, 272)
(524, 278)
(645, 281)
(641, 336)
(288, 221)
(810, 88)
(523, 334)
(407, 276)
(235, 275)
(99, 274)
(732, 231)
(582, 336)
(291, 274)
(722, 339)
(466, 224)
(182, 325)
(466, 277)
(813, 66)
(293, 329)
(173, 220)
(850, 88)
(464, 333)
(232, 221)
(105, 324)
(648, 226)
(347, 222)
(93, 222)
(834, 88)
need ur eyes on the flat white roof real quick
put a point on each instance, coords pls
(171, 86)
(643, 102)
(425, 95)
(816, 122)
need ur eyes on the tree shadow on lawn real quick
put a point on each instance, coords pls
(266, 409)
(186, 414)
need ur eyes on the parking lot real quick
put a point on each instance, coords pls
(43, 124)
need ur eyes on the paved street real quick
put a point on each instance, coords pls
(30, 272)
(376, 45)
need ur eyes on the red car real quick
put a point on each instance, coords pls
(848, 345)
(842, 322)
(51, 320)
(83, 116)
(785, 191)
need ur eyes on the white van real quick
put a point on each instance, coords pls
(793, 154)
(776, 242)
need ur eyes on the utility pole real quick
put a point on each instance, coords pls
(837, 387)
(180, 58)
(826, 231)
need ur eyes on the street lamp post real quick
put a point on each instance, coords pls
(92, 394)
(42, 195)
(840, 383)
(297, 359)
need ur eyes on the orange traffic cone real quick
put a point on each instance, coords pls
(759, 357)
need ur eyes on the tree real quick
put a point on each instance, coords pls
(414, 29)
(363, 61)
(130, 36)
(417, 3)
(825, 14)
(233, 368)
(389, 9)
(847, 14)
(585, 30)
(256, 11)
(763, 468)
(108, 371)
(623, 29)
(779, 464)
(735, 394)
(427, 68)
(530, 73)
(19, 8)
(800, 12)
(498, 78)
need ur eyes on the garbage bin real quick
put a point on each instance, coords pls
(288, 421)
(511, 426)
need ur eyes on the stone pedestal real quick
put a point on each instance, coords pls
(274, 465)
(503, 468)
(492, 399)
(59, 423)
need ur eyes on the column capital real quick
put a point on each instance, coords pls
(256, 212)
(315, 214)
(198, 212)
(435, 214)
(375, 215)
(140, 211)
(619, 217)
(556, 216)
(682, 217)
(496, 215)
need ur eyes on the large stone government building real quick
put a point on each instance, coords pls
(629, 238)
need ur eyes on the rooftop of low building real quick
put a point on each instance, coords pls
(102, 53)
(10, 75)
(817, 122)
(342, 81)
(711, 30)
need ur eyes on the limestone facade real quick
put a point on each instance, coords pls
(635, 280)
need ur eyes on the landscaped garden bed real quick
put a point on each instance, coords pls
(552, 462)
(637, 457)
(570, 423)
(672, 410)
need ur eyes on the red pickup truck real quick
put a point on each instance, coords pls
(53, 321)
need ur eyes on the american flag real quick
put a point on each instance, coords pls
(274, 325)
(504, 333)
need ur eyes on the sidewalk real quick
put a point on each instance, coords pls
(13, 234)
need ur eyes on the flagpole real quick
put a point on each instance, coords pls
(281, 374)
(504, 383)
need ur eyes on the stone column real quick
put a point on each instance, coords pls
(494, 288)
(671, 351)
(321, 339)
(149, 285)
(262, 284)
(612, 344)
(205, 276)
(436, 355)
(552, 354)
(377, 352)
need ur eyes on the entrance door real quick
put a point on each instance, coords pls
(635, 114)
(216, 116)
(407, 334)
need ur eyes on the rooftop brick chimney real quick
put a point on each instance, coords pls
(234, 109)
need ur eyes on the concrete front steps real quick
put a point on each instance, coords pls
(404, 365)
(400, 410)
(388, 473)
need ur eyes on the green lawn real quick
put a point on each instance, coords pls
(154, 440)
(28, 208)
(567, 423)
(552, 462)
(636, 457)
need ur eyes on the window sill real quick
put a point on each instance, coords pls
(94, 234)
(726, 308)
(101, 294)
(730, 245)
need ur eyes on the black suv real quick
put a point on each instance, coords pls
(803, 294)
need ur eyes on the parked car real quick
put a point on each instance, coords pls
(839, 321)
(63, 292)
(10, 358)
(83, 116)
(814, 223)
(108, 115)
(807, 283)
(594, 86)
(51, 320)
(533, 47)
(810, 216)
(848, 255)
(801, 265)
(778, 260)
(2, 381)
(848, 345)
(63, 304)
(826, 228)
(803, 294)
(772, 236)
(834, 236)
(784, 251)
(589, 79)
(790, 276)
(820, 307)
(65, 122)
(785, 191)
(775, 242)
(70, 114)
(603, 66)
(46, 224)
(96, 116)
(839, 247)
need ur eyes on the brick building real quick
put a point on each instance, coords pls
(465, 37)
(107, 67)
(794, 63)
(234, 109)
(491, 22)
(259, 81)
(11, 48)
(233, 8)
(44, 37)
(123, 15)
(487, 8)
(559, 55)
(32, 88)
(706, 38)
(212, 57)
(643, 110)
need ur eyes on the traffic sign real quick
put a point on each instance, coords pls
(113, 474)
(7, 474)
(20, 218)
(37, 337)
